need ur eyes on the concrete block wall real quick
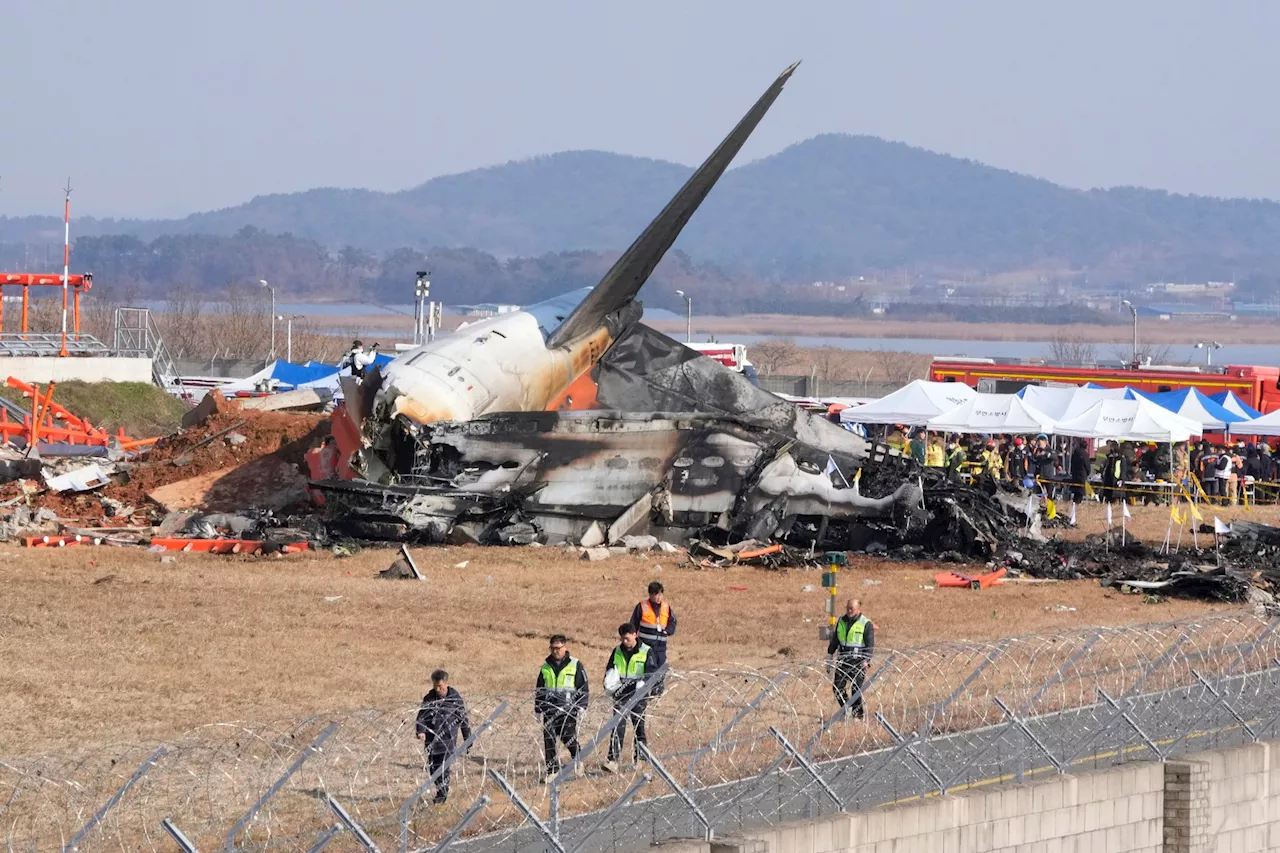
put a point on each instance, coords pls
(1241, 798)
(1223, 801)
(43, 369)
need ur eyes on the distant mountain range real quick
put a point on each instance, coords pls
(831, 207)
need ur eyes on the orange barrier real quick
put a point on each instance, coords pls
(60, 541)
(53, 422)
(223, 546)
(957, 580)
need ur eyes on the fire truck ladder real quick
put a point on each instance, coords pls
(137, 336)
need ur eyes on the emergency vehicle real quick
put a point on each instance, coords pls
(1258, 387)
(732, 356)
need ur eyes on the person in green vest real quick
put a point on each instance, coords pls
(560, 699)
(850, 649)
(628, 668)
(955, 458)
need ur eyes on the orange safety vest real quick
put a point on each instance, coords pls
(650, 622)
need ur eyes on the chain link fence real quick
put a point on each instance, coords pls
(731, 749)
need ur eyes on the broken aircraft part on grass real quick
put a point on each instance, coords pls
(540, 424)
(549, 476)
(529, 360)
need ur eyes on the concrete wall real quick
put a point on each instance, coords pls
(1232, 799)
(1212, 802)
(44, 369)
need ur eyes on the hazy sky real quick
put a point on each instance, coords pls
(164, 108)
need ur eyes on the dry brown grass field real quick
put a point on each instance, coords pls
(105, 645)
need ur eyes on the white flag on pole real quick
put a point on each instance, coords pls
(1108, 515)
(1219, 526)
(1124, 508)
(1073, 514)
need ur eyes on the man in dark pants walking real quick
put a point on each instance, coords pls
(559, 699)
(655, 622)
(629, 664)
(442, 714)
(850, 648)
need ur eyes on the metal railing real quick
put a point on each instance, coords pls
(50, 344)
(728, 750)
(136, 335)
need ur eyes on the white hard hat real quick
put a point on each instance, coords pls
(612, 681)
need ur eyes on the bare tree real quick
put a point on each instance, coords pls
(1072, 349)
(1148, 353)
(771, 356)
(831, 362)
(897, 367)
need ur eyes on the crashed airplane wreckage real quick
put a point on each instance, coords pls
(540, 424)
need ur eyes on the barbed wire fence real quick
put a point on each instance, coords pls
(731, 749)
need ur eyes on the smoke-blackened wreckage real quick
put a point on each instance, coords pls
(572, 422)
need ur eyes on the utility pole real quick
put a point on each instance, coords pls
(66, 264)
(1126, 302)
(263, 282)
(688, 316)
(423, 312)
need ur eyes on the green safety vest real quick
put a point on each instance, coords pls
(563, 681)
(631, 670)
(849, 634)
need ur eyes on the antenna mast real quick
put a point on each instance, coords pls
(66, 263)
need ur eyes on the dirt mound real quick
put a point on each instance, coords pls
(284, 437)
(234, 460)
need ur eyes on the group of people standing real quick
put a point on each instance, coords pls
(1065, 471)
(562, 692)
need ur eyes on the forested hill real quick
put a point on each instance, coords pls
(831, 207)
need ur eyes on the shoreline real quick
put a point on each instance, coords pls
(1153, 331)
(781, 326)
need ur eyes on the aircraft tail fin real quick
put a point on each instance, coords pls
(620, 285)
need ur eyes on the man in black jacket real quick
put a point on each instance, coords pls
(850, 648)
(559, 698)
(1080, 469)
(442, 714)
(632, 662)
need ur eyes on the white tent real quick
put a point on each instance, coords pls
(1065, 402)
(993, 413)
(1129, 420)
(1265, 425)
(912, 405)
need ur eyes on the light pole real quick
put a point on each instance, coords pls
(263, 282)
(1126, 302)
(1208, 347)
(688, 316)
(288, 334)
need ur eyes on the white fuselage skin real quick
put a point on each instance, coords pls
(499, 364)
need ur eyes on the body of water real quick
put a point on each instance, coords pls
(1254, 354)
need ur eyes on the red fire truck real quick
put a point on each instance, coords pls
(1258, 387)
(732, 356)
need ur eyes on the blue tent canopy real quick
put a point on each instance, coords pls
(293, 375)
(1230, 401)
(1194, 404)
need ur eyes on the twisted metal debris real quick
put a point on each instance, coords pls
(731, 748)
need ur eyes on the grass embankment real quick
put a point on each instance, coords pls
(139, 408)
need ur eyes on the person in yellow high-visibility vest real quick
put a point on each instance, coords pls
(560, 698)
(933, 454)
(850, 648)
